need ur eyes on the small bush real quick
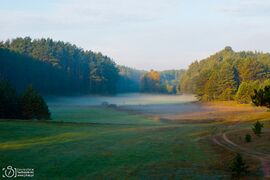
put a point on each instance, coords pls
(248, 138)
(238, 166)
(257, 128)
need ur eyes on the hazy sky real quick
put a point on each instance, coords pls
(144, 34)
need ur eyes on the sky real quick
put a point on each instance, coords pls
(143, 34)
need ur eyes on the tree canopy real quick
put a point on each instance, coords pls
(161, 82)
(28, 105)
(33, 105)
(227, 75)
(53, 66)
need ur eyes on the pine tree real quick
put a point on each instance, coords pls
(257, 128)
(8, 100)
(33, 105)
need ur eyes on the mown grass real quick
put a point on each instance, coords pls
(68, 151)
(92, 114)
(117, 145)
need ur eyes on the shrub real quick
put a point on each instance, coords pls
(257, 128)
(238, 166)
(248, 138)
(33, 105)
(261, 97)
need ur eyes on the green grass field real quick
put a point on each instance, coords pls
(121, 146)
(58, 150)
(96, 115)
(110, 144)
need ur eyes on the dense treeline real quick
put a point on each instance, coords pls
(129, 80)
(22, 70)
(161, 82)
(27, 105)
(56, 67)
(170, 80)
(227, 75)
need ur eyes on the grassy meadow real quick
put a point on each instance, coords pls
(95, 142)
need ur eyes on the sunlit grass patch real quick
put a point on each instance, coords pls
(27, 143)
(200, 134)
(103, 150)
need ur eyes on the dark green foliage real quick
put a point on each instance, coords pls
(219, 76)
(257, 128)
(248, 138)
(103, 75)
(129, 80)
(238, 166)
(30, 105)
(22, 70)
(55, 67)
(261, 97)
(8, 100)
(33, 105)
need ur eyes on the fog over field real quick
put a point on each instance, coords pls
(120, 99)
(129, 108)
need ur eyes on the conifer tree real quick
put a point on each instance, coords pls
(257, 128)
(33, 105)
(8, 100)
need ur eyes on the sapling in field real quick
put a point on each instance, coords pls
(257, 128)
(248, 138)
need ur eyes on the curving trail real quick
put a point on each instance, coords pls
(221, 139)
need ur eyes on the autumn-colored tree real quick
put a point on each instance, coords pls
(251, 69)
(150, 82)
(218, 77)
(244, 92)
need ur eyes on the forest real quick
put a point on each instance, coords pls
(227, 75)
(56, 67)
(161, 82)
(115, 127)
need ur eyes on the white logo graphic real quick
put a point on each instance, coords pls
(11, 172)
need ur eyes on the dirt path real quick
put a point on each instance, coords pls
(222, 140)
